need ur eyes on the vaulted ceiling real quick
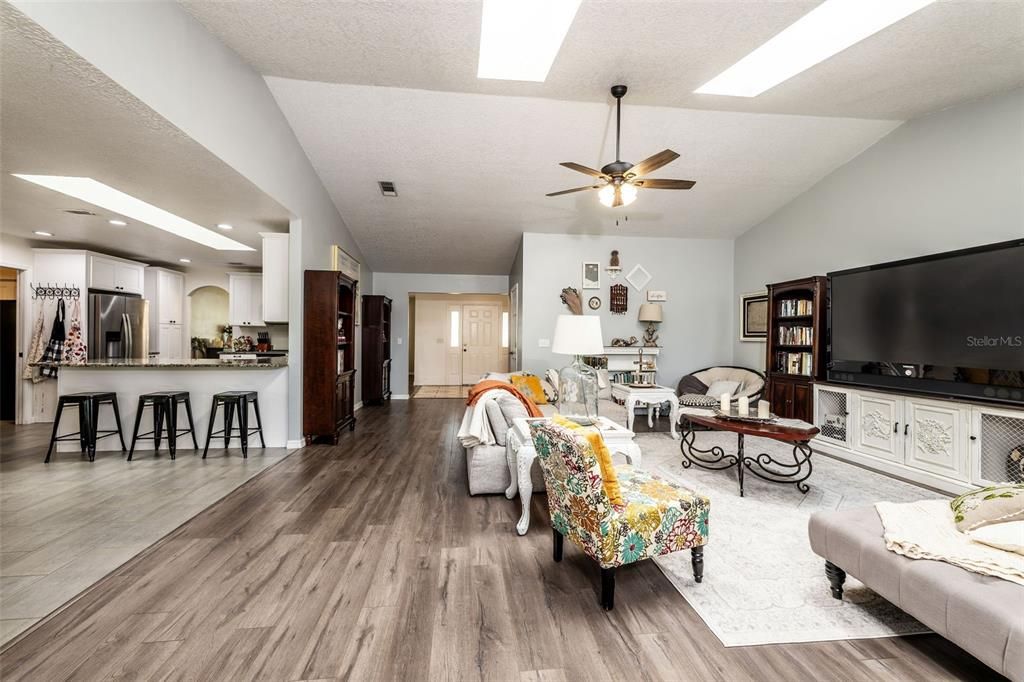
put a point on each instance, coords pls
(388, 91)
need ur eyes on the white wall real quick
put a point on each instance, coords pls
(398, 285)
(696, 274)
(163, 56)
(942, 182)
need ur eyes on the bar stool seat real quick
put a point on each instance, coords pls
(165, 416)
(88, 403)
(235, 401)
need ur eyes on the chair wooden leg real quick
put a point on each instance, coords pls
(558, 538)
(608, 588)
(836, 577)
(697, 560)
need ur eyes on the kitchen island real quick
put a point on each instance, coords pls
(130, 378)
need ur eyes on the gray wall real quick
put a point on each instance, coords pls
(163, 56)
(398, 285)
(696, 274)
(946, 181)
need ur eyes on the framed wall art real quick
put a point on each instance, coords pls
(754, 316)
(638, 277)
(592, 275)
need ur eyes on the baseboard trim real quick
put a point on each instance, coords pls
(404, 396)
(358, 406)
(295, 444)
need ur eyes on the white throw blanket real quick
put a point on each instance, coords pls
(476, 427)
(925, 530)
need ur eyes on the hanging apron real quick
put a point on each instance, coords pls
(35, 348)
(75, 348)
(55, 348)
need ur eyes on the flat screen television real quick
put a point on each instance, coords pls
(951, 324)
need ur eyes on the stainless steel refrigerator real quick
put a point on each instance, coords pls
(118, 326)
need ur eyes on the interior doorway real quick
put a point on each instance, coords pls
(8, 343)
(454, 340)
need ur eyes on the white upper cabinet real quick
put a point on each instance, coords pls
(165, 291)
(113, 274)
(170, 297)
(275, 277)
(245, 300)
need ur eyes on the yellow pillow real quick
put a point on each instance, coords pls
(604, 457)
(529, 385)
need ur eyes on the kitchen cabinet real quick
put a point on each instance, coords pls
(165, 291)
(113, 274)
(245, 300)
(171, 341)
(275, 277)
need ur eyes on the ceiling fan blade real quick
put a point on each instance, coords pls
(584, 169)
(652, 183)
(574, 189)
(653, 163)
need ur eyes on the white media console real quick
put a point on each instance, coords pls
(945, 444)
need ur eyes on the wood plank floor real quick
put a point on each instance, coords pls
(369, 561)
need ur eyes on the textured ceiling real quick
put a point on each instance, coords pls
(472, 170)
(949, 52)
(62, 116)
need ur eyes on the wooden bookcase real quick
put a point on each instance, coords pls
(328, 360)
(376, 349)
(796, 345)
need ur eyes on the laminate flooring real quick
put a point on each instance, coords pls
(369, 561)
(67, 524)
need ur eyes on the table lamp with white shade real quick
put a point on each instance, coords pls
(650, 313)
(578, 335)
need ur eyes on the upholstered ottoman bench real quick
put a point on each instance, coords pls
(981, 614)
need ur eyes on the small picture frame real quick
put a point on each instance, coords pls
(754, 316)
(591, 275)
(638, 277)
(656, 296)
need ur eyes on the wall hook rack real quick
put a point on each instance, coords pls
(54, 291)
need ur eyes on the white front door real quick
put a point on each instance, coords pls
(481, 341)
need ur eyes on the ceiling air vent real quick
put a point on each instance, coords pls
(78, 211)
(387, 188)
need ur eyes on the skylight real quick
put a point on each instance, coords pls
(828, 29)
(107, 197)
(519, 39)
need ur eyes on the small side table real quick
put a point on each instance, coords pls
(521, 455)
(651, 397)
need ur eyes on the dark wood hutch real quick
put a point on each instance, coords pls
(376, 349)
(328, 355)
(796, 345)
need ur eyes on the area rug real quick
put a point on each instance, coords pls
(762, 583)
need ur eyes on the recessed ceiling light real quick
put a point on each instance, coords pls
(828, 29)
(225, 226)
(184, 260)
(519, 39)
(119, 223)
(118, 202)
(43, 234)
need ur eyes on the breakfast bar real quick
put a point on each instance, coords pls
(130, 378)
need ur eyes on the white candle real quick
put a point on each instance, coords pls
(744, 407)
(763, 409)
(725, 402)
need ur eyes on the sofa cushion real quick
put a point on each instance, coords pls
(698, 400)
(977, 612)
(994, 504)
(692, 385)
(721, 386)
(499, 426)
(511, 408)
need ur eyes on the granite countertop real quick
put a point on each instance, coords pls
(183, 363)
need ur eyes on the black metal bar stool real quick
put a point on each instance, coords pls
(165, 416)
(232, 401)
(88, 433)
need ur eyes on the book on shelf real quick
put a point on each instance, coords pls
(796, 336)
(794, 363)
(795, 307)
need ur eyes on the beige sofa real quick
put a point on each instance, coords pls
(981, 614)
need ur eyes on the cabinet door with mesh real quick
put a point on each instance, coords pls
(832, 415)
(997, 445)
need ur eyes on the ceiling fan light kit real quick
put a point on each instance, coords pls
(619, 180)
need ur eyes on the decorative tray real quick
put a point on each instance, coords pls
(642, 385)
(735, 415)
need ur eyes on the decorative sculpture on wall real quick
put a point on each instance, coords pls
(618, 301)
(613, 268)
(624, 343)
(571, 297)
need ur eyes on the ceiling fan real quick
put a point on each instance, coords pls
(619, 179)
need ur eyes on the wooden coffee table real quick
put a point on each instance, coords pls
(763, 466)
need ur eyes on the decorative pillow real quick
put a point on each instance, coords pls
(511, 409)
(1006, 536)
(697, 400)
(609, 478)
(691, 384)
(499, 425)
(719, 387)
(994, 504)
(530, 385)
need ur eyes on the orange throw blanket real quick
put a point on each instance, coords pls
(491, 384)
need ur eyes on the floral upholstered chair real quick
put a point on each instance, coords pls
(650, 516)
